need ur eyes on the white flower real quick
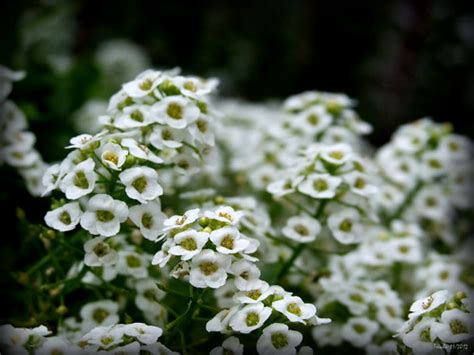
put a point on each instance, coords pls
(166, 137)
(220, 322)
(314, 120)
(229, 346)
(429, 303)
(250, 317)
(57, 345)
(337, 154)
(149, 219)
(283, 187)
(104, 215)
(80, 181)
(113, 155)
(176, 111)
(194, 86)
(84, 141)
(133, 264)
(320, 185)
(359, 184)
(225, 214)
(188, 244)
(145, 334)
(455, 326)
(294, 308)
(345, 226)
(140, 151)
(201, 132)
(257, 294)
(177, 221)
(99, 252)
(228, 240)
(64, 218)
(106, 337)
(302, 229)
(99, 313)
(148, 295)
(51, 177)
(359, 331)
(162, 257)
(134, 116)
(421, 337)
(278, 339)
(209, 269)
(144, 84)
(246, 275)
(141, 183)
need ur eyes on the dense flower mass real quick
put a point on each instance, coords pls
(256, 228)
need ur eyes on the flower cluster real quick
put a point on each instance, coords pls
(364, 309)
(158, 120)
(17, 143)
(441, 318)
(427, 172)
(338, 180)
(133, 338)
(208, 246)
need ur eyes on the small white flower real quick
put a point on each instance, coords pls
(133, 264)
(176, 111)
(359, 331)
(55, 346)
(177, 221)
(246, 275)
(188, 244)
(228, 240)
(141, 183)
(225, 214)
(99, 313)
(162, 257)
(429, 303)
(359, 184)
(149, 219)
(195, 87)
(209, 269)
(302, 229)
(345, 226)
(64, 218)
(320, 186)
(337, 154)
(144, 84)
(294, 308)
(99, 252)
(200, 130)
(434, 164)
(455, 326)
(421, 337)
(278, 339)
(314, 120)
(145, 334)
(229, 346)
(282, 187)
(257, 294)
(84, 141)
(148, 294)
(250, 317)
(104, 215)
(80, 181)
(134, 116)
(113, 155)
(166, 137)
(140, 151)
(220, 322)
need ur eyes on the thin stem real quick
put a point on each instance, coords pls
(405, 203)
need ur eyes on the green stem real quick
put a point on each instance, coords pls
(406, 202)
